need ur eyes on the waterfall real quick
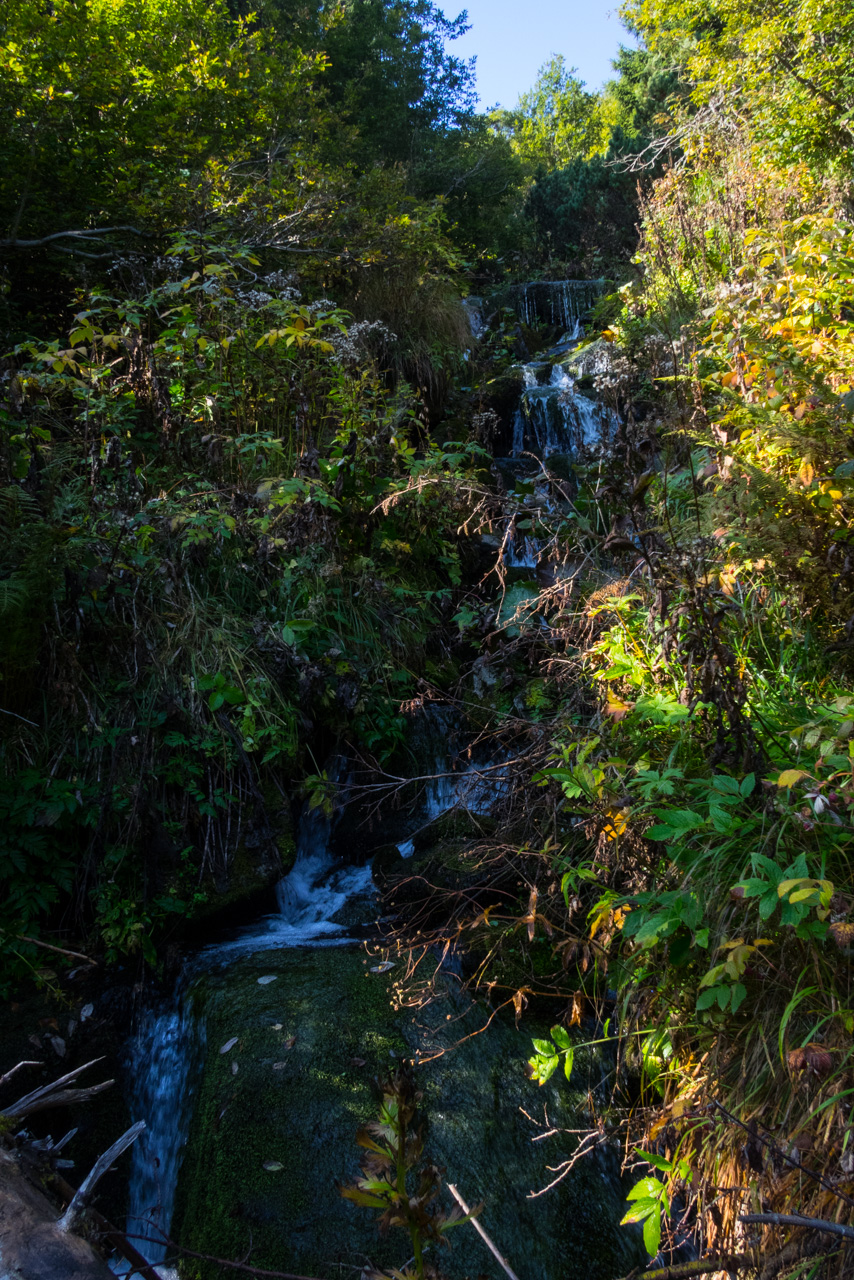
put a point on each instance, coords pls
(163, 1057)
(555, 418)
(162, 1060)
(562, 303)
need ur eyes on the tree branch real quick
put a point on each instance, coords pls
(101, 1166)
(53, 1095)
(96, 233)
(797, 1220)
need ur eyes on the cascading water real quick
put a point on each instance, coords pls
(555, 418)
(562, 303)
(162, 1061)
(165, 1054)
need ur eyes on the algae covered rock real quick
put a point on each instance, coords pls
(286, 1083)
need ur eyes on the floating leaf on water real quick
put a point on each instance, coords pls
(234, 1068)
(384, 967)
(279, 1066)
(86, 1012)
(229, 1044)
(277, 1026)
(290, 1042)
(268, 977)
(58, 1045)
(273, 1166)
(357, 1062)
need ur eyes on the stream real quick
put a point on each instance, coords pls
(262, 1054)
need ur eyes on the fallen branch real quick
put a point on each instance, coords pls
(82, 1196)
(110, 1234)
(180, 1251)
(702, 1267)
(48, 946)
(480, 1231)
(52, 1095)
(9, 1074)
(797, 1220)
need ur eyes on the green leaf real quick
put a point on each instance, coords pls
(657, 1162)
(544, 1047)
(652, 1234)
(639, 1211)
(560, 1035)
(567, 1063)
(739, 995)
(647, 1189)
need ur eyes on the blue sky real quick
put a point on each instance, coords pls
(513, 38)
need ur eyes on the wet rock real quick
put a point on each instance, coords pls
(299, 1111)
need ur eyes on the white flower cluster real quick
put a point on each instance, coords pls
(360, 341)
(253, 299)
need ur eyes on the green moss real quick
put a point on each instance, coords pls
(297, 1109)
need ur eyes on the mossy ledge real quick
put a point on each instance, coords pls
(273, 1135)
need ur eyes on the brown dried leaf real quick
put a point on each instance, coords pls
(812, 1058)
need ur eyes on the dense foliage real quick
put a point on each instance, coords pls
(248, 513)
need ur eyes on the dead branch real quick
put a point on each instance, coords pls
(180, 1251)
(480, 1231)
(19, 1067)
(94, 234)
(48, 946)
(101, 1166)
(797, 1220)
(110, 1234)
(53, 1095)
(703, 1267)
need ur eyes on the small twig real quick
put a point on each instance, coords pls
(797, 1220)
(9, 1074)
(480, 1231)
(180, 1251)
(773, 1146)
(100, 1167)
(4, 712)
(48, 946)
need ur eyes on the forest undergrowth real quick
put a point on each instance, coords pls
(250, 515)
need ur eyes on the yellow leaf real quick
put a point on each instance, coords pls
(791, 777)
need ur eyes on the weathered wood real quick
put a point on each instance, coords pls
(109, 1234)
(82, 1196)
(503, 1263)
(53, 1094)
(797, 1220)
(31, 1247)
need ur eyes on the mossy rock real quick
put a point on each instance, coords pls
(272, 1142)
(458, 824)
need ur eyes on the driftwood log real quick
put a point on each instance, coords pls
(36, 1242)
